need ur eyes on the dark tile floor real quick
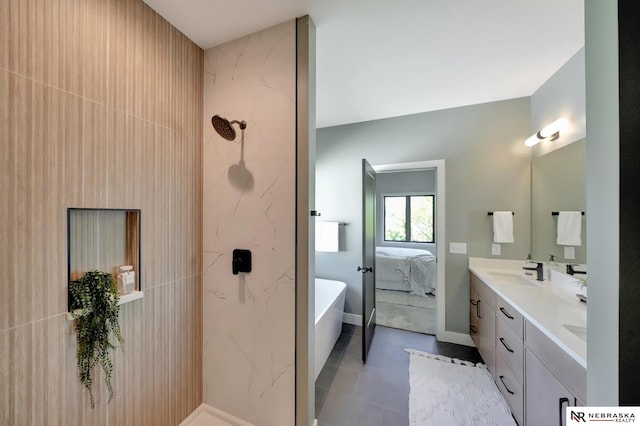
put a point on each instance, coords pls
(350, 393)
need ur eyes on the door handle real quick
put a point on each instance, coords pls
(365, 269)
(561, 402)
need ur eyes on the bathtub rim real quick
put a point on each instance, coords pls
(327, 307)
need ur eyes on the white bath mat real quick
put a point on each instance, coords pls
(449, 391)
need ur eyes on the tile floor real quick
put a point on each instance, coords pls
(350, 393)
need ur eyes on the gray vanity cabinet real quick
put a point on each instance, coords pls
(554, 381)
(531, 367)
(510, 356)
(547, 397)
(482, 316)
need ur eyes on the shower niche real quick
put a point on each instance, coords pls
(104, 240)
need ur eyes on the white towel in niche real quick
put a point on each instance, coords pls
(569, 229)
(503, 227)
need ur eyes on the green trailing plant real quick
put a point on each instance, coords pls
(94, 305)
(582, 282)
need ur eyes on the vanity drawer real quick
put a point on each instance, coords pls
(485, 294)
(511, 388)
(513, 319)
(510, 348)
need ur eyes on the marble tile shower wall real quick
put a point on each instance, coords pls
(100, 107)
(249, 203)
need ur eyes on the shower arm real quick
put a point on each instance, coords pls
(242, 124)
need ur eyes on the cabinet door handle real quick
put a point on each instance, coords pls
(561, 402)
(506, 314)
(478, 309)
(507, 388)
(505, 345)
(473, 302)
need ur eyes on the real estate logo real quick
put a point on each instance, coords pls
(579, 415)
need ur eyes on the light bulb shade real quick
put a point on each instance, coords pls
(532, 140)
(550, 132)
(553, 128)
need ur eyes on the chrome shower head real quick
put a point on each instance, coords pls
(225, 128)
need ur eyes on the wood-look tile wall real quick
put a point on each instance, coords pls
(100, 107)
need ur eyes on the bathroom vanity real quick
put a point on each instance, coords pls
(532, 336)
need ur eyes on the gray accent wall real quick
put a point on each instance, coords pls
(487, 169)
(558, 183)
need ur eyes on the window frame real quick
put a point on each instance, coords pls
(407, 196)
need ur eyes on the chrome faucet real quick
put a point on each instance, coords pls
(538, 268)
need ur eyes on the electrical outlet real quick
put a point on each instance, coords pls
(569, 252)
(458, 248)
(495, 249)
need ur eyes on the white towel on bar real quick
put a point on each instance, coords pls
(569, 229)
(328, 236)
(502, 227)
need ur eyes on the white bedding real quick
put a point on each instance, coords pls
(405, 269)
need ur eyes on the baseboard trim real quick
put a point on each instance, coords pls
(457, 338)
(352, 319)
(446, 336)
(206, 414)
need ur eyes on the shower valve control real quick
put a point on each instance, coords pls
(241, 261)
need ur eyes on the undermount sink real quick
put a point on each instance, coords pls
(514, 278)
(577, 330)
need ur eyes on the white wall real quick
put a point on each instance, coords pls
(487, 169)
(562, 95)
(249, 320)
(603, 200)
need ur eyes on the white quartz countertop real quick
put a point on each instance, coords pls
(550, 305)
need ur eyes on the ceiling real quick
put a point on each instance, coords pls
(383, 58)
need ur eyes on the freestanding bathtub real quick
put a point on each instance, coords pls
(330, 296)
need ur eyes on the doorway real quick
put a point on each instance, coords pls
(437, 249)
(406, 248)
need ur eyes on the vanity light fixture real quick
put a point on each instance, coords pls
(550, 132)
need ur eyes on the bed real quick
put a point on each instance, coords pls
(406, 269)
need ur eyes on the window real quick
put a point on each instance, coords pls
(409, 218)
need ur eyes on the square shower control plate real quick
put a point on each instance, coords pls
(241, 261)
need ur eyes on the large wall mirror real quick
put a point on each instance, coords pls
(558, 183)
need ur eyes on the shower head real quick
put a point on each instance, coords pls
(225, 128)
